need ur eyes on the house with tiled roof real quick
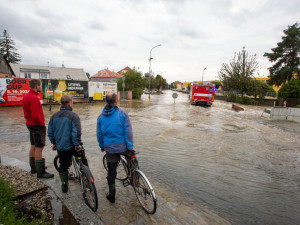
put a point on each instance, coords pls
(106, 76)
(48, 72)
(126, 69)
(178, 85)
(5, 68)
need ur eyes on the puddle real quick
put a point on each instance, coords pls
(61, 214)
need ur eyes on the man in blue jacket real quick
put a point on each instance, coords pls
(64, 132)
(115, 136)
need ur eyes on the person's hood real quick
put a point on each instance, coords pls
(109, 109)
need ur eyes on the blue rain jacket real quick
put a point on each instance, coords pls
(64, 129)
(114, 130)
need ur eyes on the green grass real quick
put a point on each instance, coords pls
(8, 211)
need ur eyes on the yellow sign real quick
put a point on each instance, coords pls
(62, 85)
(98, 96)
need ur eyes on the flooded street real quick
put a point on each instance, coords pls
(243, 167)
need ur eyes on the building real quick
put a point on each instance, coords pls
(185, 86)
(48, 72)
(126, 69)
(178, 85)
(5, 69)
(106, 76)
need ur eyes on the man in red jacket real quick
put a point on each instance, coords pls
(35, 122)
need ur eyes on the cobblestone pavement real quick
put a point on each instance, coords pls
(171, 209)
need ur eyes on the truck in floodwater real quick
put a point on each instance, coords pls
(202, 93)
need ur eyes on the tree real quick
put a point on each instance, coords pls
(236, 76)
(286, 56)
(217, 83)
(7, 48)
(133, 82)
(290, 90)
(88, 75)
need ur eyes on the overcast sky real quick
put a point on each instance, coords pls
(99, 34)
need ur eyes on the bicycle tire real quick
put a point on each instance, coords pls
(122, 169)
(88, 188)
(144, 192)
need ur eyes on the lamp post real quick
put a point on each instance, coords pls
(150, 67)
(203, 74)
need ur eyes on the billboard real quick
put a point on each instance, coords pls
(12, 91)
(98, 90)
(53, 90)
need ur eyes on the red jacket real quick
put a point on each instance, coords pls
(33, 111)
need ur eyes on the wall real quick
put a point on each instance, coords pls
(285, 113)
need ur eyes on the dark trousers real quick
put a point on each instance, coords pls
(65, 159)
(112, 161)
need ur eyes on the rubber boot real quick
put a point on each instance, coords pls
(64, 181)
(32, 165)
(40, 169)
(111, 194)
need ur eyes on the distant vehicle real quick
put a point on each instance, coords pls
(202, 94)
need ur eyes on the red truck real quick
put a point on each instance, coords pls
(202, 94)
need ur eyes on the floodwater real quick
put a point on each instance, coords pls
(242, 166)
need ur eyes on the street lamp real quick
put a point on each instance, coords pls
(203, 74)
(150, 66)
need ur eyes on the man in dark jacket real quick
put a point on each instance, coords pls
(64, 132)
(115, 136)
(35, 122)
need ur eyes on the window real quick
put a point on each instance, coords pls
(27, 75)
(44, 76)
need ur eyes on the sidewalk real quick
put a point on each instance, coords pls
(171, 209)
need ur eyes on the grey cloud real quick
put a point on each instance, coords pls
(95, 25)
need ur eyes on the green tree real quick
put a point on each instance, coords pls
(286, 56)
(217, 83)
(236, 76)
(133, 82)
(173, 85)
(7, 48)
(258, 88)
(290, 90)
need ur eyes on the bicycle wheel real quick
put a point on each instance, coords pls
(144, 192)
(121, 167)
(88, 188)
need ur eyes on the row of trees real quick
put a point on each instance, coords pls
(238, 74)
(135, 82)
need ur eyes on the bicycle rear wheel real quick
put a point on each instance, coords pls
(144, 192)
(88, 188)
(121, 167)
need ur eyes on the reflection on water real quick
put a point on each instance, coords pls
(243, 166)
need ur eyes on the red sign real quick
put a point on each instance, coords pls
(12, 91)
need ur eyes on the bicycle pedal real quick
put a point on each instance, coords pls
(126, 183)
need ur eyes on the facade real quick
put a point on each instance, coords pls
(48, 72)
(106, 76)
(5, 69)
(178, 85)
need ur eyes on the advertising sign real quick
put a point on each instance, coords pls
(53, 90)
(12, 91)
(98, 90)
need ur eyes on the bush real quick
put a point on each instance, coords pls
(290, 90)
(242, 100)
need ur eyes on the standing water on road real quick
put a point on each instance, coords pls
(242, 166)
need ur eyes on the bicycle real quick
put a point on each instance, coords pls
(129, 174)
(81, 173)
